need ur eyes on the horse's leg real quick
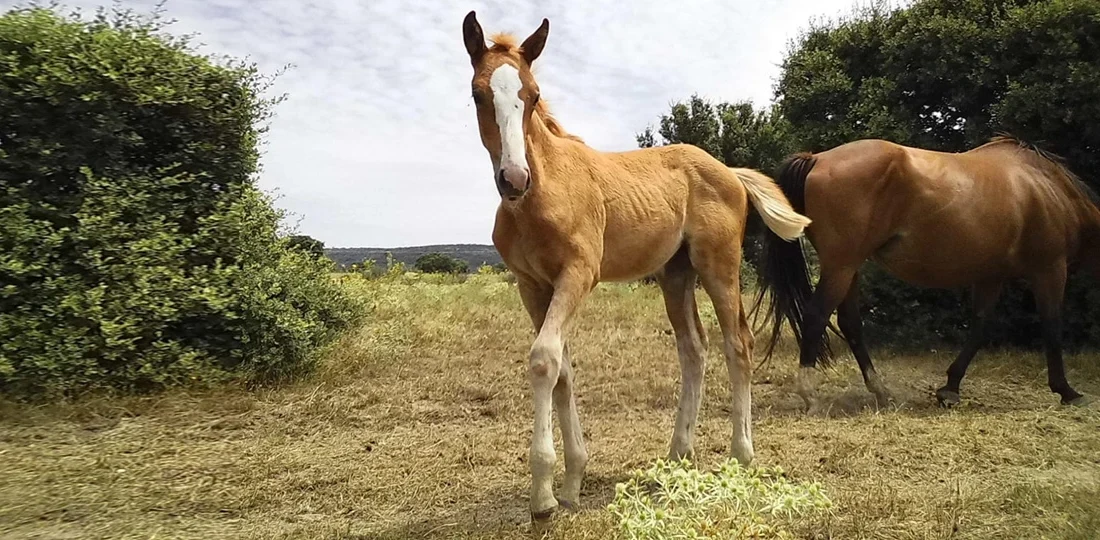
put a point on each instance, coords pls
(850, 322)
(1049, 288)
(537, 300)
(678, 286)
(720, 269)
(576, 455)
(984, 299)
(545, 370)
(832, 287)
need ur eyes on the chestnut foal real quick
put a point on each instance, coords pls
(571, 216)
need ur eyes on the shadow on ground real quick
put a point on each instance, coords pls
(501, 513)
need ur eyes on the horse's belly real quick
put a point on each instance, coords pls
(634, 254)
(952, 265)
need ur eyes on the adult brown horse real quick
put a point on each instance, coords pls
(571, 216)
(1004, 210)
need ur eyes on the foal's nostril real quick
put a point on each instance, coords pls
(513, 182)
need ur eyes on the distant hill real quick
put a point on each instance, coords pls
(474, 254)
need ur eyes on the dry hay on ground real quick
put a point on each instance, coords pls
(418, 426)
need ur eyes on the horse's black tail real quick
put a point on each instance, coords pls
(784, 272)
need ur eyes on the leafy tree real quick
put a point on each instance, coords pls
(736, 133)
(307, 244)
(947, 75)
(439, 263)
(136, 251)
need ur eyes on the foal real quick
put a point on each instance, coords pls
(976, 219)
(571, 216)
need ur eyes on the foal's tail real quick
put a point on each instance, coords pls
(772, 204)
(784, 272)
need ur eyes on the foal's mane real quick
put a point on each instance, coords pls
(506, 43)
(1050, 162)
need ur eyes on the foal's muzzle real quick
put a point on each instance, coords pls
(513, 182)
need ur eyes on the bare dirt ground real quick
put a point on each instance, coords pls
(417, 427)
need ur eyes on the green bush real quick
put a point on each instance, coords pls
(440, 263)
(307, 244)
(136, 251)
(899, 315)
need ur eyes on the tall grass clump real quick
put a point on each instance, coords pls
(672, 500)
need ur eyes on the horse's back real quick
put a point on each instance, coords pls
(932, 218)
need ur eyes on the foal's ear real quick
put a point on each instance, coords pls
(474, 38)
(532, 46)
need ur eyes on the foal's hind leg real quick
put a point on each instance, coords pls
(984, 299)
(1049, 289)
(851, 325)
(719, 266)
(678, 286)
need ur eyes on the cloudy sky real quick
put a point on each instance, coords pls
(377, 143)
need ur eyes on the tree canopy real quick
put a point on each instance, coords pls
(949, 74)
(441, 263)
(307, 244)
(739, 134)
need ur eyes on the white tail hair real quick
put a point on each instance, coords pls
(772, 204)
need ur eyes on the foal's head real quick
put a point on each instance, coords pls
(505, 94)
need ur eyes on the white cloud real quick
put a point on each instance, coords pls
(377, 144)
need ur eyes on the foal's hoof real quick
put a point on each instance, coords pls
(1079, 401)
(543, 516)
(562, 506)
(947, 398)
(567, 506)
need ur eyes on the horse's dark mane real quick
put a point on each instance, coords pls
(1053, 161)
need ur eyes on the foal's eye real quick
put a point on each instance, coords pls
(535, 100)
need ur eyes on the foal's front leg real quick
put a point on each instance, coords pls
(546, 370)
(576, 455)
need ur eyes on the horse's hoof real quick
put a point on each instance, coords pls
(1079, 401)
(947, 398)
(543, 515)
(567, 506)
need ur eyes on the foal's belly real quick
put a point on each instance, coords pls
(634, 253)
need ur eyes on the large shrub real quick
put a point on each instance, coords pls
(135, 249)
(441, 263)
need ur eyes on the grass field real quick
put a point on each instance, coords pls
(417, 426)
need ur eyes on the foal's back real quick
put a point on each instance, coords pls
(656, 199)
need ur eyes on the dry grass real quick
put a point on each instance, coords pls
(418, 425)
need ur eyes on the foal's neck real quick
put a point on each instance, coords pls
(543, 150)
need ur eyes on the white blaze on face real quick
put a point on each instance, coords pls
(506, 85)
